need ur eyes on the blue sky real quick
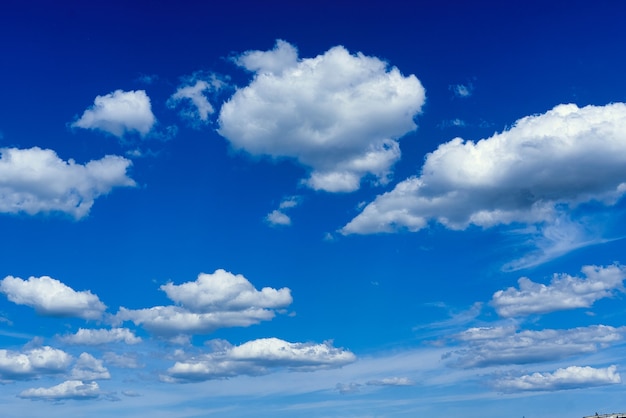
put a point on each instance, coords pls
(285, 210)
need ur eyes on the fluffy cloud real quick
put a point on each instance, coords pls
(118, 113)
(259, 357)
(101, 336)
(200, 108)
(30, 364)
(278, 216)
(88, 367)
(49, 296)
(71, 389)
(36, 180)
(338, 114)
(565, 157)
(563, 292)
(573, 377)
(213, 301)
(498, 348)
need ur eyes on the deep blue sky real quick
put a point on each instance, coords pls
(341, 233)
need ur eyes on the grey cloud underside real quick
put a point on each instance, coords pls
(564, 157)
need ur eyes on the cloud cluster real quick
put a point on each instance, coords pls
(486, 347)
(119, 113)
(572, 377)
(36, 180)
(338, 114)
(86, 336)
(213, 301)
(196, 106)
(50, 297)
(70, 389)
(278, 216)
(30, 364)
(259, 357)
(564, 157)
(563, 292)
(87, 367)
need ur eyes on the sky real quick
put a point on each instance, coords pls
(318, 209)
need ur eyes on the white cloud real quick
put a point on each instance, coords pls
(563, 292)
(462, 90)
(36, 180)
(15, 365)
(499, 348)
(338, 114)
(562, 158)
(277, 217)
(88, 367)
(70, 389)
(573, 377)
(391, 381)
(201, 108)
(101, 336)
(118, 113)
(213, 301)
(258, 357)
(49, 296)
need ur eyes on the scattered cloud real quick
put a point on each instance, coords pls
(88, 367)
(462, 90)
(124, 361)
(119, 113)
(30, 364)
(489, 347)
(573, 377)
(50, 297)
(70, 389)
(527, 174)
(347, 388)
(86, 336)
(36, 180)
(192, 96)
(278, 216)
(213, 301)
(259, 357)
(563, 292)
(391, 381)
(338, 114)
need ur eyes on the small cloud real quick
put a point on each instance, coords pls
(462, 90)
(347, 388)
(573, 377)
(391, 381)
(147, 78)
(70, 389)
(277, 217)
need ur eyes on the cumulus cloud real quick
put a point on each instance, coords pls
(563, 292)
(259, 357)
(36, 180)
(15, 365)
(573, 377)
(278, 216)
(462, 90)
(70, 389)
(562, 158)
(101, 336)
(119, 113)
(523, 347)
(213, 301)
(340, 115)
(88, 367)
(50, 297)
(193, 99)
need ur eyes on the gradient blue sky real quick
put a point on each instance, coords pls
(345, 210)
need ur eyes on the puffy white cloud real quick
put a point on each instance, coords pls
(196, 95)
(258, 357)
(563, 292)
(70, 389)
(277, 217)
(36, 180)
(15, 365)
(573, 377)
(564, 157)
(49, 296)
(88, 367)
(498, 348)
(213, 301)
(86, 336)
(118, 113)
(338, 114)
